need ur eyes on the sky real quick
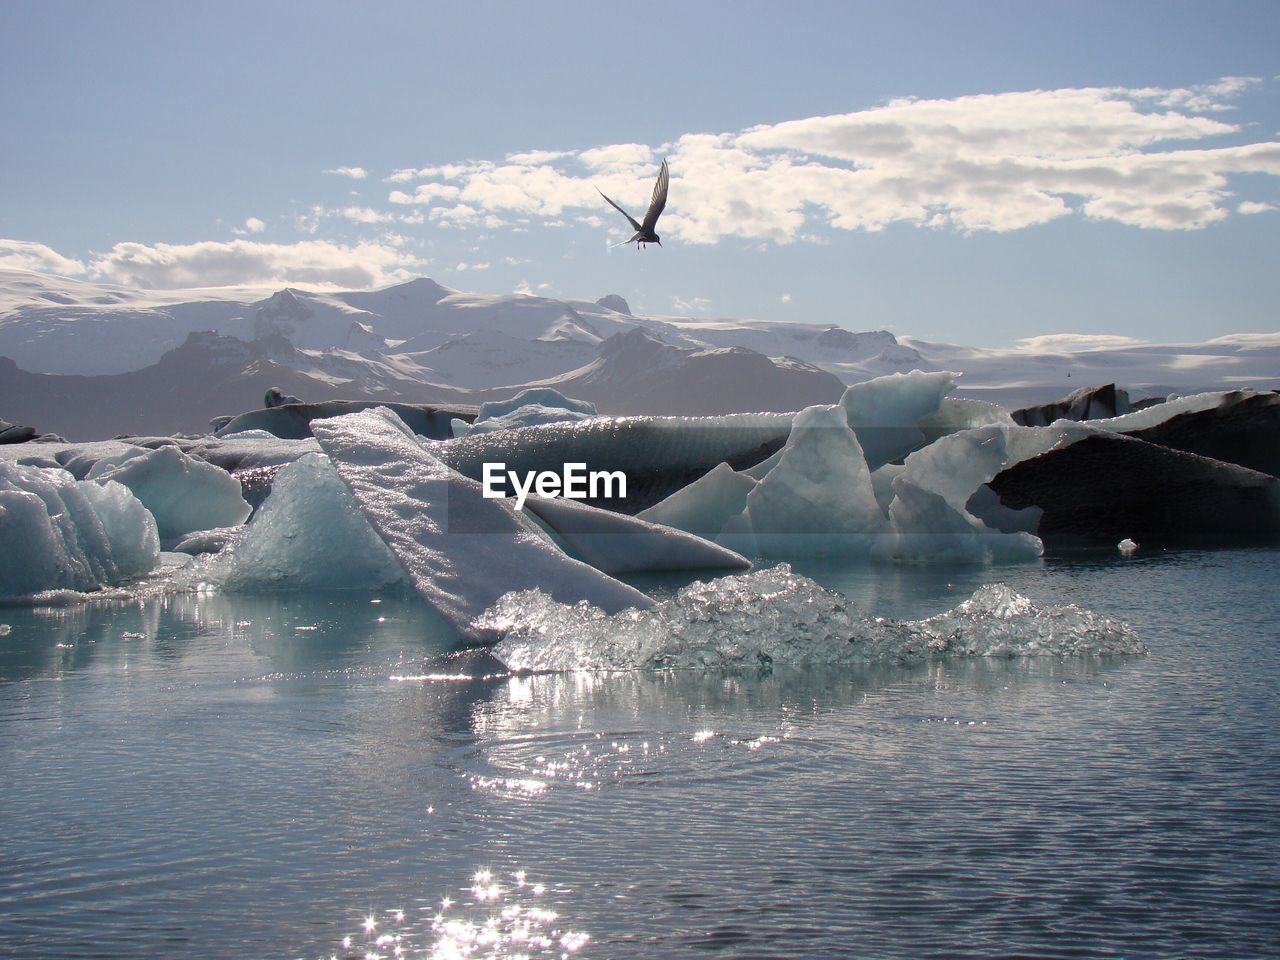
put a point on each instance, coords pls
(978, 172)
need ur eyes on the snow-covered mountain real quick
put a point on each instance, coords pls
(425, 342)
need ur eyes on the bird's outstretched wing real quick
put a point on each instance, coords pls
(630, 219)
(658, 203)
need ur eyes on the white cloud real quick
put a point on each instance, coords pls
(216, 264)
(991, 162)
(1250, 207)
(25, 255)
(534, 157)
(786, 298)
(357, 214)
(425, 193)
(1076, 342)
(254, 225)
(692, 305)
(355, 173)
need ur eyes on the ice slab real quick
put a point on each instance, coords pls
(460, 550)
(616, 543)
(59, 533)
(775, 617)
(704, 506)
(183, 494)
(309, 534)
(818, 499)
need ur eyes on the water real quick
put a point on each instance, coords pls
(208, 777)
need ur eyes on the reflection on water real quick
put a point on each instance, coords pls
(326, 776)
(501, 915)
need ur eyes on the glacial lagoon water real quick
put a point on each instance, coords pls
(206, 776)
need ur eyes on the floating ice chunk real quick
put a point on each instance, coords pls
(60, 533)
(819, 497)
(886, 412)
(775, 617)
(616, 543)
(929, 514)
(461, 550)
(544, 397)
(459, 427)
(183, 494)
(1127, 547)
(309, 534)
(998, 622)
(529, 415)
(704, 506)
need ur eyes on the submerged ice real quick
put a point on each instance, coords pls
(776, 617)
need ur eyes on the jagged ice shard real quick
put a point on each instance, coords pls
(460, 550)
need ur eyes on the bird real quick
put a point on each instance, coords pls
(644, 231)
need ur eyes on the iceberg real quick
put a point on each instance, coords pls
(527, 408)
(60, 533)
(775, 617)
(460, 550)
(818, 499)
(309, 534)
(544, 397)
(886, 412)
(183, 494)
(929, 512)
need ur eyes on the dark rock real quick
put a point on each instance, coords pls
(1104, 488)
(1244, 429)
(13, 433)
(1087, 403)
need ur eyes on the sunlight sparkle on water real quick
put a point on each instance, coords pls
(505, 922)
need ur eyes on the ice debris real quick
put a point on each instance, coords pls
(776, 617)
(60, 533)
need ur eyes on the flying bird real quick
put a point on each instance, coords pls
(644, 231)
